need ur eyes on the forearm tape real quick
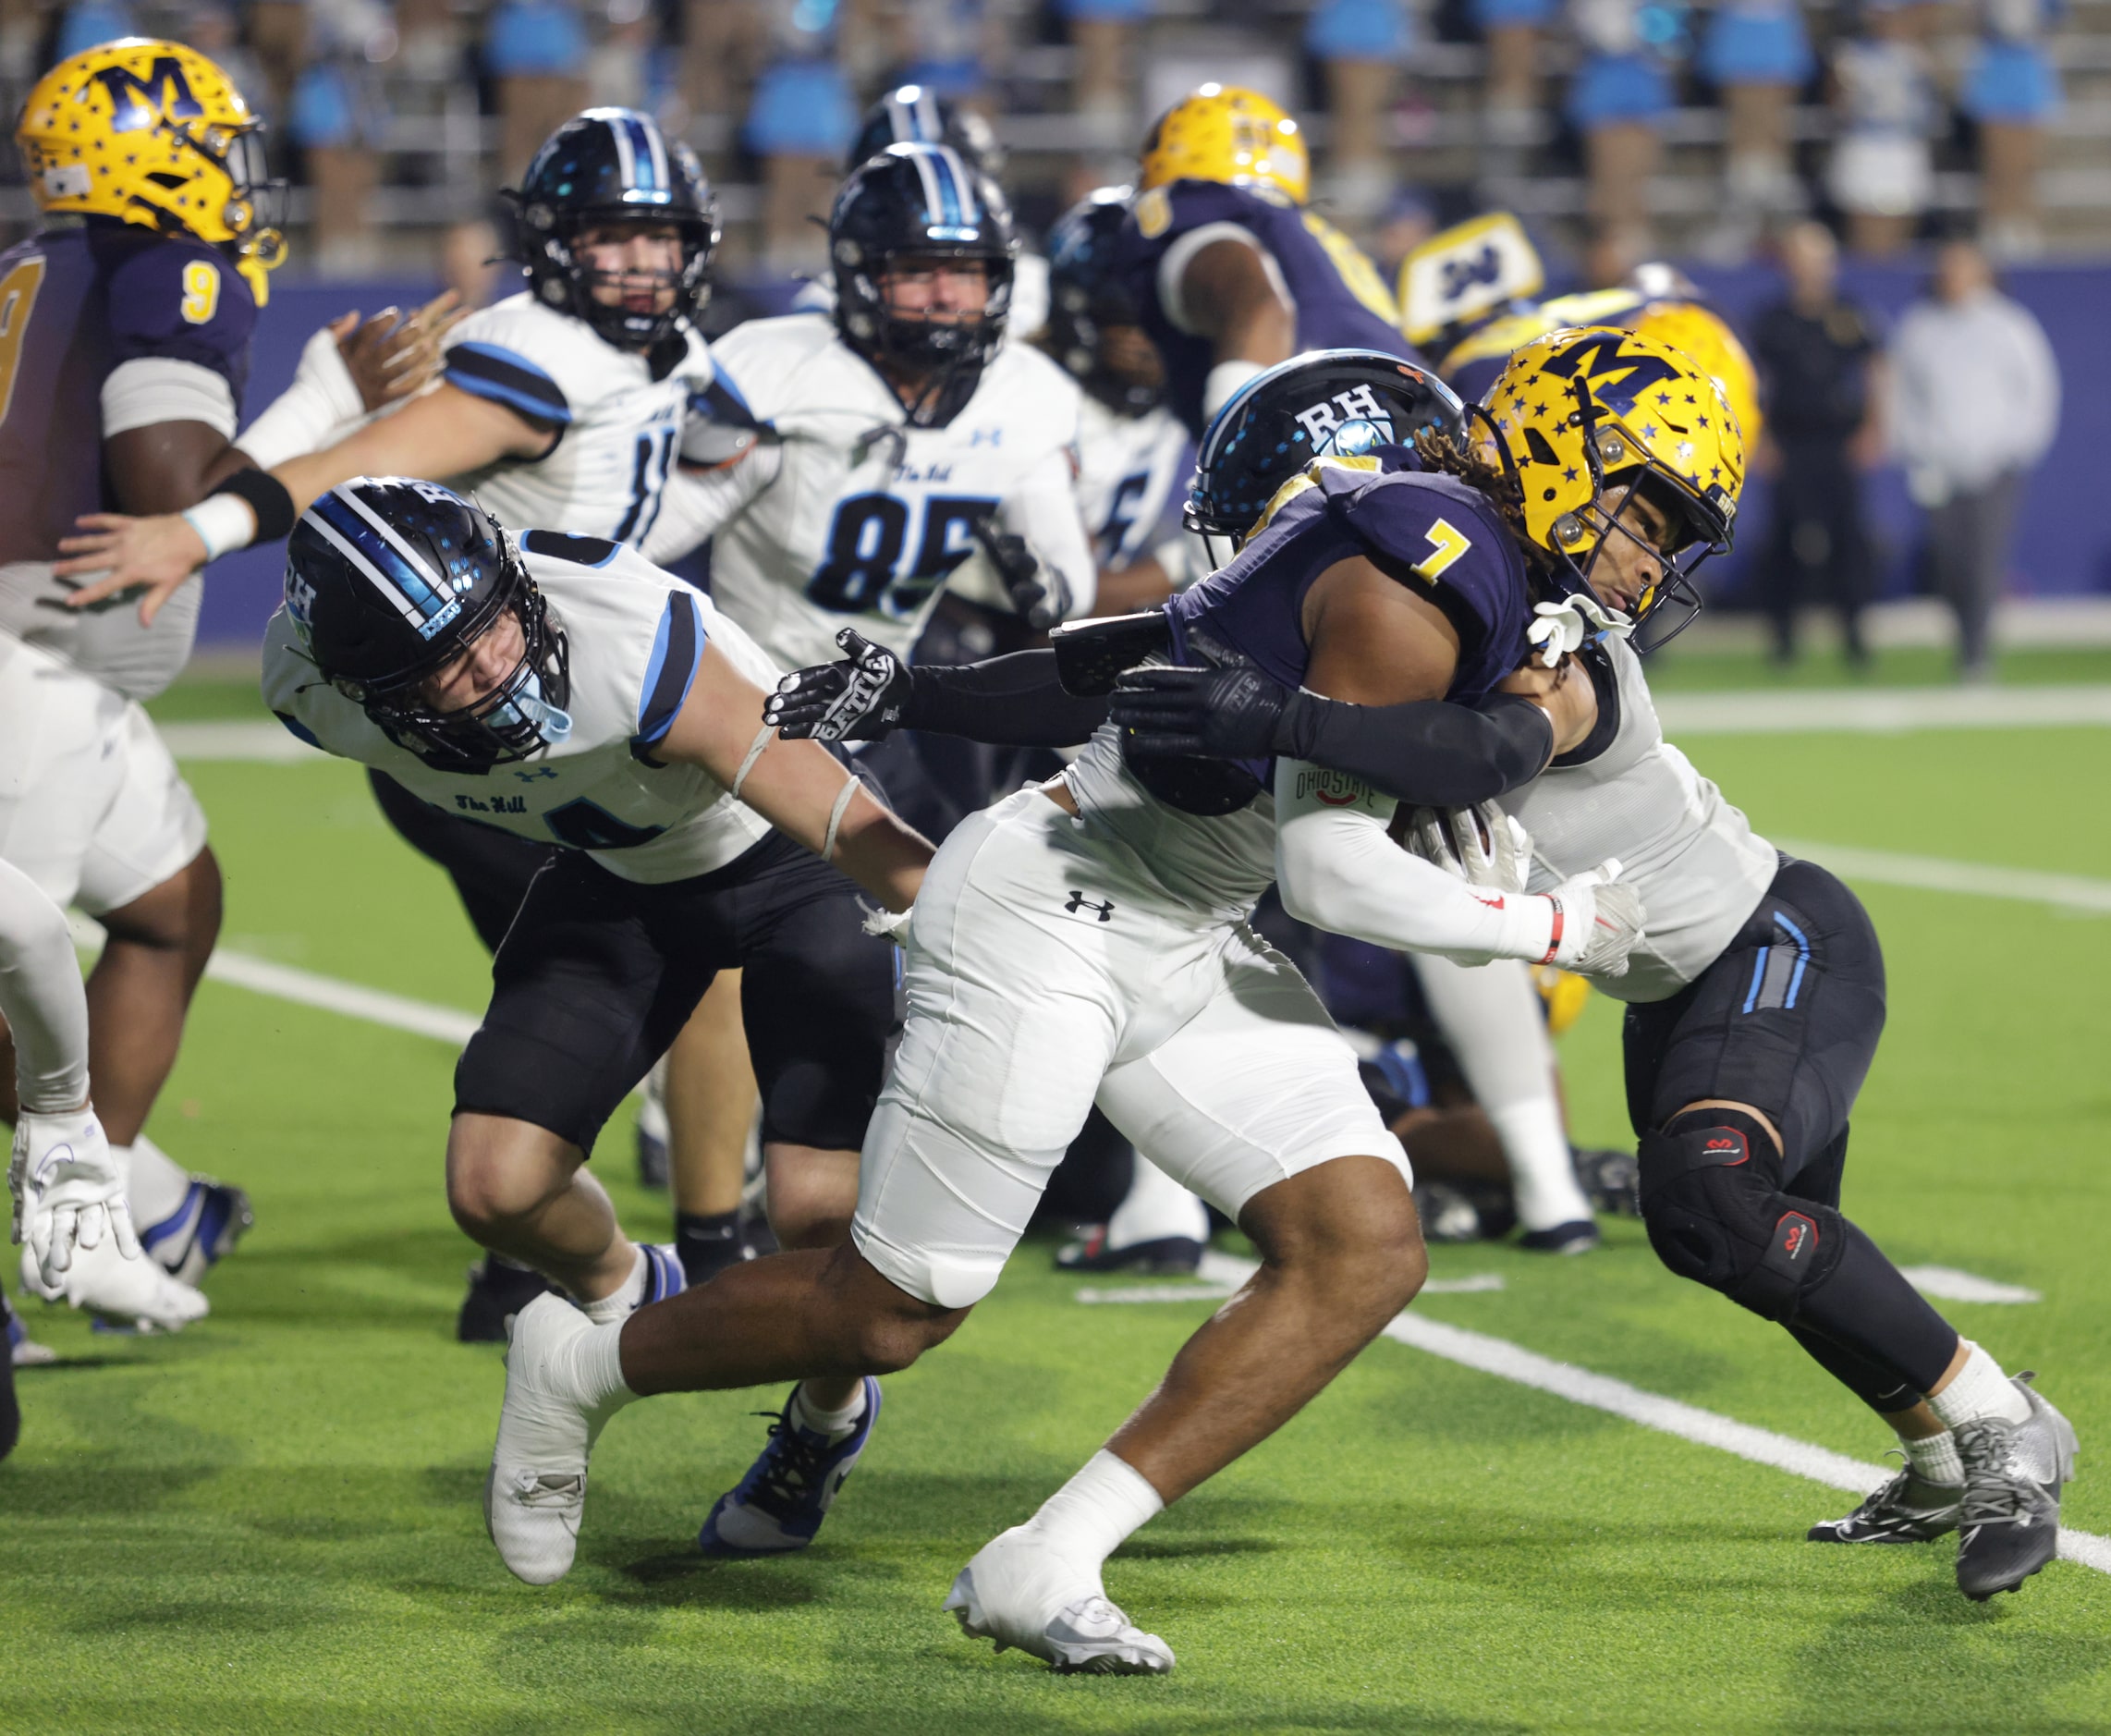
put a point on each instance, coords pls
(1015, 702)
(1429, 753)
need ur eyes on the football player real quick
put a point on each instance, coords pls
(1085, 941)
(124, 325)
(561, 406)
(561, 687)
(881, 446)
(1613, 464)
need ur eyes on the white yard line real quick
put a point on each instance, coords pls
(261, 740)
(1939, 873)
(1951, 1285)
(1505, 1361)
(1882, 711)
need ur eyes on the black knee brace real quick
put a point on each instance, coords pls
(1712, 1202)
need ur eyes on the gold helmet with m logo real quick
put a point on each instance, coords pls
(1221, 132)
(153, 133)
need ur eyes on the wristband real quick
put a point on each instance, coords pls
(1223, 382)
(1554, 938)
(268, 499)
(224, 523)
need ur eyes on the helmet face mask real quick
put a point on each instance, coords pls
(613, 167)
(389, 584)
(917, 205)
(153, 133)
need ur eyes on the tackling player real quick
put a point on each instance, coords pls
(1757, 997)
(1082, 942)
(561, 687)
(125, 327)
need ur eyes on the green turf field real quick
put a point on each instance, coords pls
(272, 1522)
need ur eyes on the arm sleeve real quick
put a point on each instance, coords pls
(697, 503)
(1043, 509)
(1336, 869)
(42, 996)
(1429, 753)
(1009, 701)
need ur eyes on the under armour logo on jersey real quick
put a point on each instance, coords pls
(994, 435)
(1358, 402)
(541, 771)
(1079, 903)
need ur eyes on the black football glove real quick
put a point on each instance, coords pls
(860, 699)
(1233, 713)
(1036, 589)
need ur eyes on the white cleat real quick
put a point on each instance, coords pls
(1020, 1593)
(536, 1492)
(129, 1291)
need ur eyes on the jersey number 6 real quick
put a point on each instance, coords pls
(857, 573)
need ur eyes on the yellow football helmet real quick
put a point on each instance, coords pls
(1223, 133)
(153, 133)
(1703, 334)
(1584, 409)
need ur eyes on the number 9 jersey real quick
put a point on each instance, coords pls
(842, 514)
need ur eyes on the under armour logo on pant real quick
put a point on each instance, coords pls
(1079, 902)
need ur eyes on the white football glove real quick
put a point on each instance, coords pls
(1562, 626)
(1600, 923)
(70, 1214)
(1482, 844)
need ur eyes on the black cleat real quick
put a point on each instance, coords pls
(1166, 1257)
(499, 1291)
(1447, 1213)
(1579, 1236)
(2008, 1524)
(1610, 1177)
(1908, 1509)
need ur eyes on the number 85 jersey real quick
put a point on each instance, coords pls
(842, 514)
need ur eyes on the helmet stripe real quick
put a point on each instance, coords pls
(648, 172)
(390, 563)
(626, 153)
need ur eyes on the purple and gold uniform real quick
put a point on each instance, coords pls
(1341, 301)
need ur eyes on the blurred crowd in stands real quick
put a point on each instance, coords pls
(1624, 126)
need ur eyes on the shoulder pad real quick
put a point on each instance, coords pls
(180, 299)
(526, 357)
(1435, 527)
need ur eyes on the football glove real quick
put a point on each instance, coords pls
(860, 699)
(1562, 626)
(1597, 922)
(1232, 713)
(1481, 844)
(1035, 588)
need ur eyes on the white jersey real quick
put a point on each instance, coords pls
(1127, 470)
(844, 516)
(619, 417)
(1694, 859)
(636, 637)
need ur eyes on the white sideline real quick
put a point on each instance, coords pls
(231, 738)
(1882, 711)
(1512, 1361)
(1939, 873)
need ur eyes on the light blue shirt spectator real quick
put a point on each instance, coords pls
(802, 108)
(1499, 14)
(2010, 76)
(1756, 41)
(1107, 11)
(90, 22)
(527, 38)
(1361, 29)
(1622, 78)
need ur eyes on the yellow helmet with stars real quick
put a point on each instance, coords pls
(1702, 333)
(1222, 133)
(1585, 411)
(153, 133)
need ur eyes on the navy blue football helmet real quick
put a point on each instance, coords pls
(387, 580)
(915, 113)
(1085, 297)
(924, 201)
(1333, 403)
(615, 166)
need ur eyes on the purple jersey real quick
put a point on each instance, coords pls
(1342, 302)
(74, 304)
(1434, 534)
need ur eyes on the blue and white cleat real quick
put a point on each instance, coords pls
(200, 1231)
(1019, 1591)
(663, 1274)
(779, 1504)
(23, 1352)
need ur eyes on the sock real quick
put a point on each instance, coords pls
(1934, 1458)
(1088, 1517)
(598, 1368)
(707, 1243)
(156, 1188)
(622, 1301)
(1980, 1389)
(1543, 1174)
(836, 1426)
(1155, 1208)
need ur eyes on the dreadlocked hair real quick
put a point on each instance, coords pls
(1439, 450)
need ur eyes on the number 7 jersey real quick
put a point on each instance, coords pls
(842, 515)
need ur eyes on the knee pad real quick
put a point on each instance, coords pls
(1716, 1213)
